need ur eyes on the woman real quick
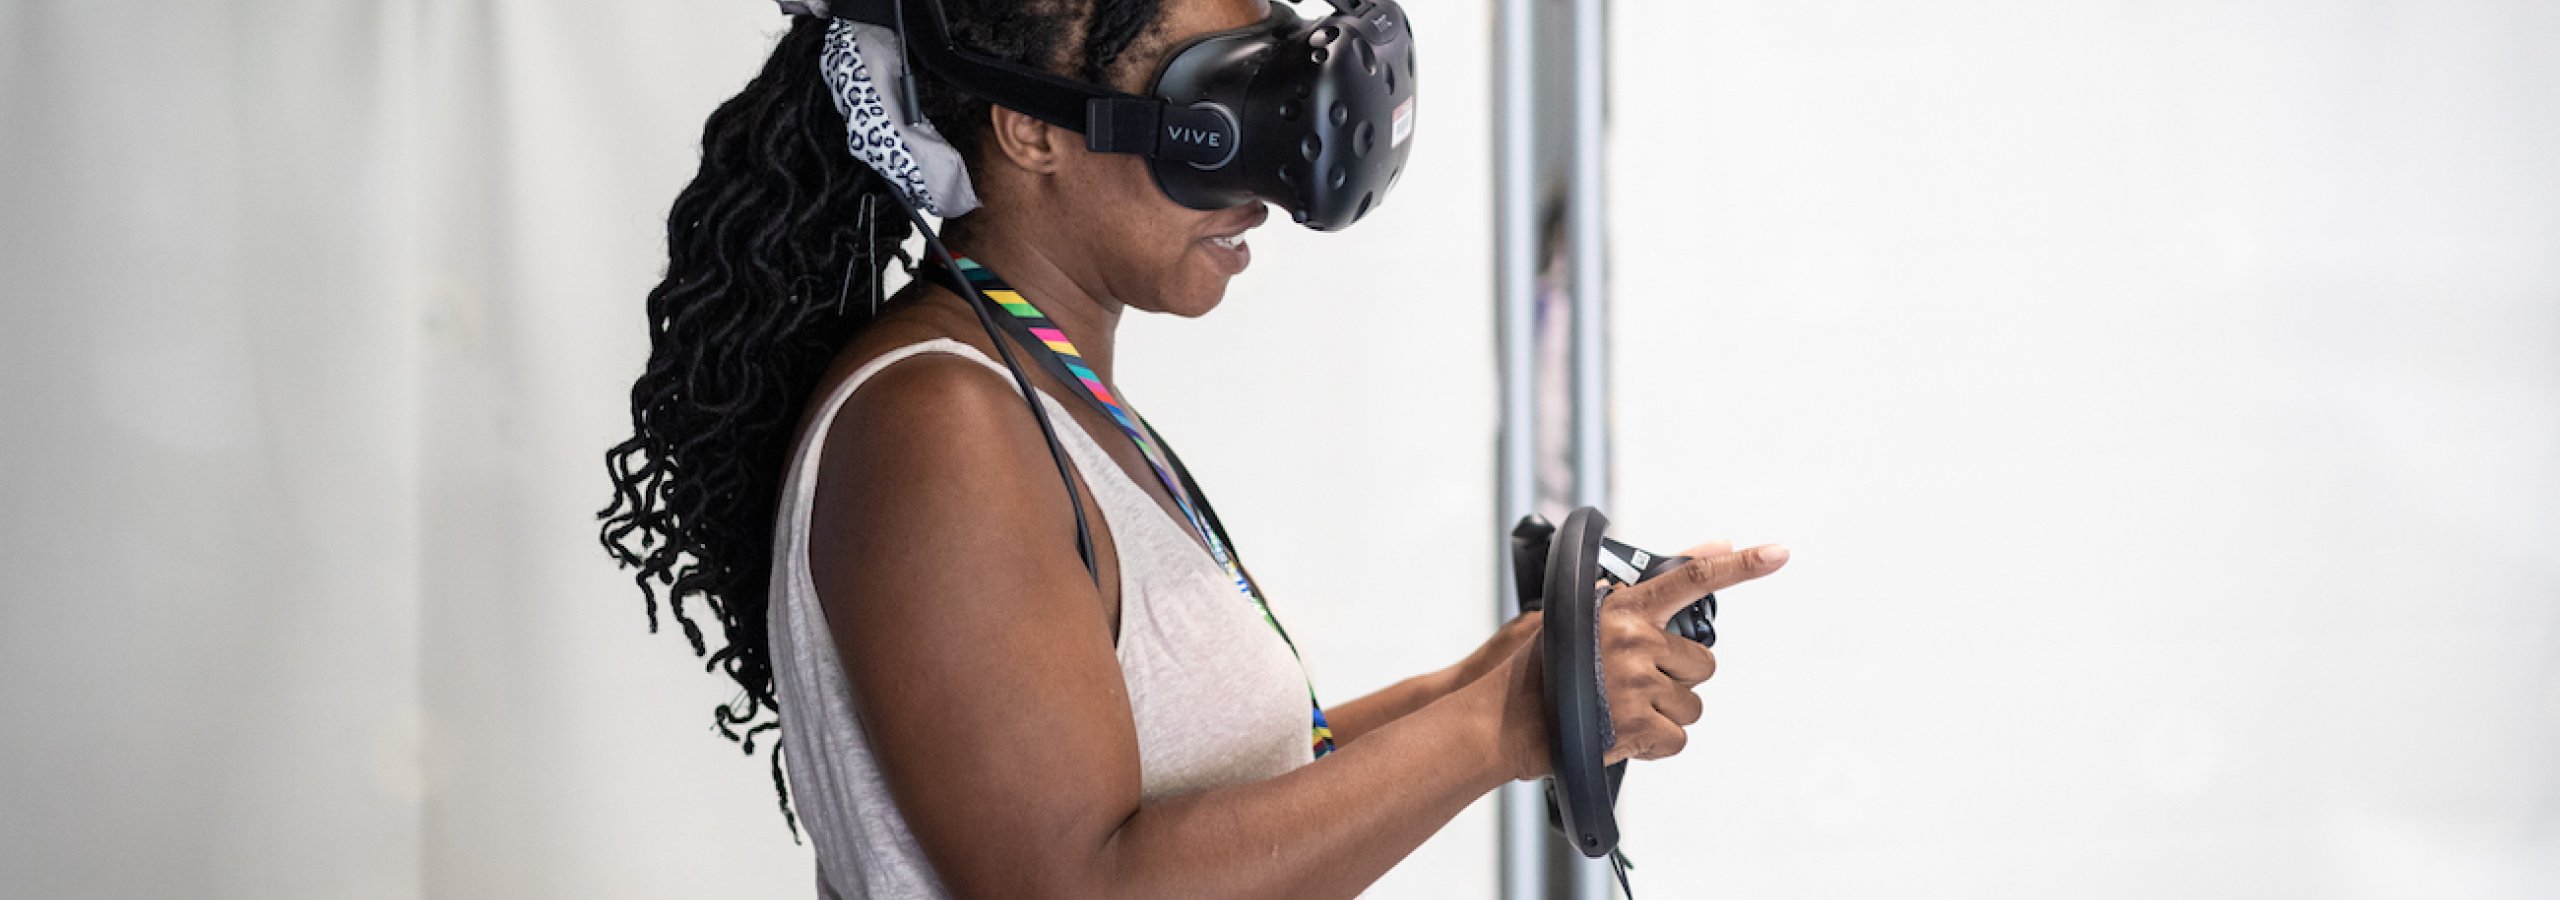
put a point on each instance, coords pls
(861, 499)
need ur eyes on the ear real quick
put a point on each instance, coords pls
(1031, 144)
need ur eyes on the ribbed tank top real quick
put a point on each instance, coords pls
(1217, 695)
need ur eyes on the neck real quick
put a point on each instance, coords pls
(1066, 294)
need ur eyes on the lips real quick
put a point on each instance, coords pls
(1231, 226)
(1225, 243)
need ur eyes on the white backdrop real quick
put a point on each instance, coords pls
(210, 518)
(315, 321)
(2163, 402)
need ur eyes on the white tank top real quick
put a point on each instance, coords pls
(1218, 697)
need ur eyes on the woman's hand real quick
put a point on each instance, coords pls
(1523, 628)
(1651, 675)
(1505, 642)
(1361, 715)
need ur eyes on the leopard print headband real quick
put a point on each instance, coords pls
(910, 155)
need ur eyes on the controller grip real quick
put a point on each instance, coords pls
(1697, 621)
(1529, 542)
(1555, 814)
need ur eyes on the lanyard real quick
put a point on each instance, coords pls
(1050, 346)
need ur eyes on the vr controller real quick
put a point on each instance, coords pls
(1564, 572)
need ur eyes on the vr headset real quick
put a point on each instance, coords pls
(1314, 116)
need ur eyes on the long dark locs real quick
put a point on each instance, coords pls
(769, 259)
(750, 313)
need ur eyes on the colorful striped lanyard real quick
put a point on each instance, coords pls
(1059, 356)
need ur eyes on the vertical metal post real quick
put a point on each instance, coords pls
(1549, 68)
(1523, 807)
(1586, 205)
(1587, 249)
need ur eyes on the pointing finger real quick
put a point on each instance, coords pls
(1658, 599)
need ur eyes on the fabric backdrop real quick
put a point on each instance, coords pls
(2162, 400)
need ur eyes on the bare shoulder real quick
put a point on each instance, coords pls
(919, 409)
(952, 407)
(934, 461)
(939, 415)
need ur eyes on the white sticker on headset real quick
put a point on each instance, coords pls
(1404, 123)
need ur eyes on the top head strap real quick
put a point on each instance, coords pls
(1039, 94)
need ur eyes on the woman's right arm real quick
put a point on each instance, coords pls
(981, 658)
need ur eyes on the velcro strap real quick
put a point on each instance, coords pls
(883, 13)
(1122, 124)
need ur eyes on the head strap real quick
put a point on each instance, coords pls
(891, 137)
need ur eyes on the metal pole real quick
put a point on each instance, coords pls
(1565, 39)
(1586, 199)
(1586, 208)
(1523, 806)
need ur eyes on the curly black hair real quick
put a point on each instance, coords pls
(762, 248)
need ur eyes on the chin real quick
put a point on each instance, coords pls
(1190, 291)
(1193, 302)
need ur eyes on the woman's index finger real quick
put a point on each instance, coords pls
(1660, 598)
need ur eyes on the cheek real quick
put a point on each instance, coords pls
(1153, 232)
(1147, 237)
(1147, 212)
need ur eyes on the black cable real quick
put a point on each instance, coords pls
(1048, 433)
(909, 107)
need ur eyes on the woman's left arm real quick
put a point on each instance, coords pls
(1367, 714)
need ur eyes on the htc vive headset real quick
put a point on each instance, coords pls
(1313, 116)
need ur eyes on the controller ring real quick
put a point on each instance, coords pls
(1580, 734)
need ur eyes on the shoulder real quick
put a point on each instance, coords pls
(936, 485)
(937, 413)
(925, 396)
(934, 454)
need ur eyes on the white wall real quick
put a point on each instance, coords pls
(209, 510)
(569, 753)
(2163, 401)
